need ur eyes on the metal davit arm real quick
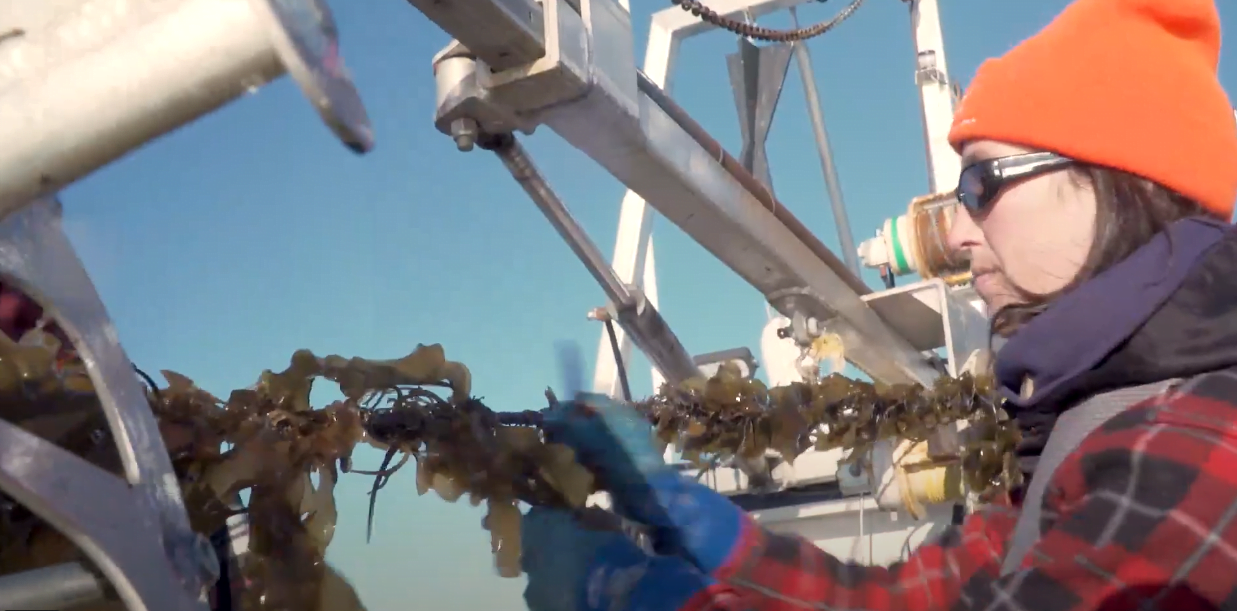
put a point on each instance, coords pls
(585, 87)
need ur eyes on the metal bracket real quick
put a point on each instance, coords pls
(757, 75)
(926, 69)
(709, 363)
(932, 316)
(134, 530)
(465, 110)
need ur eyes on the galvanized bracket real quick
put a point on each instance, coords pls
(757, 75)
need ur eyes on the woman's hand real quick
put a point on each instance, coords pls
(610, 438)
(557, 555)
(616, 443)
(571, 568)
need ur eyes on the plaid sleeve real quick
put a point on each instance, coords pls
(1141, 516)
(775, 572)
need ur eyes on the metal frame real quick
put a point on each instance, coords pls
(629, 307)
(933, 316)
(83, 84)
(846, 241)
(133, 528)
(633, 260)
(586, 88)
(936, 95)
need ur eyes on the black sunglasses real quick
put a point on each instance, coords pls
(982, 181)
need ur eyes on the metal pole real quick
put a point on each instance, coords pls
(642, 322)
(55, 587)
(847, 241)
(522, 168)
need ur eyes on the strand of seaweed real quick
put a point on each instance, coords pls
(267, 440)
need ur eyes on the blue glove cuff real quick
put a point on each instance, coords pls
(623, 577)
(689, 517)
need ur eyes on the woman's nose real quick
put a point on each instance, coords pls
(964, 233)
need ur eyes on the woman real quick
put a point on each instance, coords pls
(1100, 175)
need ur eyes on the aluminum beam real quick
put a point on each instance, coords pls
(685, 183)
(668, 30)
(587, 89)
(633, 259)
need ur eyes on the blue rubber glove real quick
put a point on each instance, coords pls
(616, 442)
(609, 437)
(570, 568)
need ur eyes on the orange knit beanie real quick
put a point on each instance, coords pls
(1127, 84)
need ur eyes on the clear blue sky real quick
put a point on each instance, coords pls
(228, 245)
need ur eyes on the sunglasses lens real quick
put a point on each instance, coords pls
(971, 192)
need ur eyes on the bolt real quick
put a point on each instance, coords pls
(465, 131)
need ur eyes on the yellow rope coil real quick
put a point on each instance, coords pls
(925, 483)
(929, 222)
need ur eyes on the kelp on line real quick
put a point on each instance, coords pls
(269, 441)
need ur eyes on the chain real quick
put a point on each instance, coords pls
(755, 32)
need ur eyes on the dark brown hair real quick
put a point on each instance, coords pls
(1130, 211)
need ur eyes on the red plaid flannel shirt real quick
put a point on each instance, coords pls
(1140, 516)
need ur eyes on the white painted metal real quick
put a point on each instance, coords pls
(633, 243)
(855, 529)
(935, 94)
(779, 356)
(670, 27)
